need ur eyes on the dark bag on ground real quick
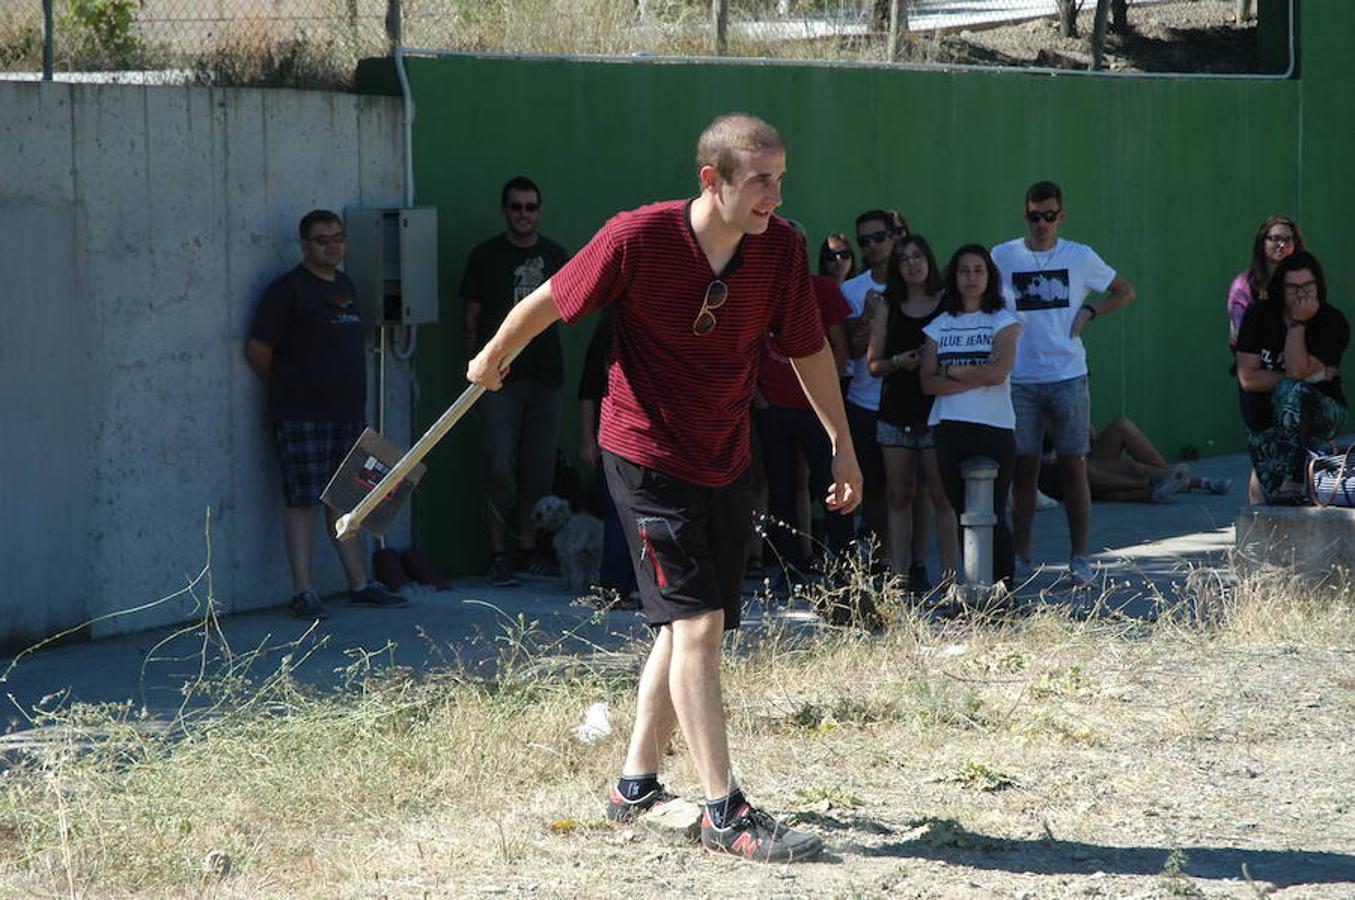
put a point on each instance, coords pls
(1331, 478)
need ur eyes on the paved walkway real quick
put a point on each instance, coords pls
(1149, 551)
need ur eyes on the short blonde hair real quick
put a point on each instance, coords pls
(732, 132)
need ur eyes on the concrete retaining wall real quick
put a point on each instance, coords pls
(1315, 542)
(137, 227)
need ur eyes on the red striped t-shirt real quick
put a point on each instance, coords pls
(676, 401)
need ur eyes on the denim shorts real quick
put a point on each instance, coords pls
(909, 437)
(1065, 406)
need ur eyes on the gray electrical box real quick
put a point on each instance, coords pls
(393, 261)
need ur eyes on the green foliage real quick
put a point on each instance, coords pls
(107, 23)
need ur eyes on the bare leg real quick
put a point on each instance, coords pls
(350, 554)
(298, 530)
(1077, 500)
(1123, 436)
(1108, 478)
(655, 718)
(900, 478)
(694, 686)
(947, 530)
(1133, 495)
(1023, 501)
(923, 516)
(1254, 492)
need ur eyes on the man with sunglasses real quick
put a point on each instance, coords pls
(521, 422)
(308, 344)
(876, 232)
(1046, 281)
(694, 287)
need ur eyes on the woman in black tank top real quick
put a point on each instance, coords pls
(911, 300)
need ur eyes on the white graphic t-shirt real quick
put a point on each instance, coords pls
(864, 388)
(967, 340)
(1045, 289)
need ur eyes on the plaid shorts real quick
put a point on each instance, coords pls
(311, 453)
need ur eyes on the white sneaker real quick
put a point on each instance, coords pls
(1080, 570)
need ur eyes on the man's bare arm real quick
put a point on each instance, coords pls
(260, 358)
(818, 376)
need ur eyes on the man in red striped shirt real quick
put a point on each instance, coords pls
(695, 286)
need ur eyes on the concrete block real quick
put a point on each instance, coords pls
(1316, 542)
(677, 821)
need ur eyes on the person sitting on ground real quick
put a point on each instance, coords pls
(1144, 476)
(912, 299)
(1289, 351)
(1277, 237)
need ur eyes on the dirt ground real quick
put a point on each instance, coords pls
(1195, 36)
(1110, 772)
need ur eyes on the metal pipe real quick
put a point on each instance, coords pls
(978, 521)
(47, 38)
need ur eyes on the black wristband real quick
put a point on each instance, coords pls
(1089, 308)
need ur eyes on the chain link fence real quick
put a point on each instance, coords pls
(316, 43)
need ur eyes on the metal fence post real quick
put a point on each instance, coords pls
(47, 40)
(978, 521)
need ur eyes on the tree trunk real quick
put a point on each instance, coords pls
(1099, 34)
(1243, 11)
(1119, 16)
(1068, 17)
(898, 27)
(879, 14)
(719, 10)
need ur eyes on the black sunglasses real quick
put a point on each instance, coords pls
(875, 237)
(519, 207)
(717, 292)
(837, 254)
(1049, 215)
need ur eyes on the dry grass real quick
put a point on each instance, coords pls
(953, 759)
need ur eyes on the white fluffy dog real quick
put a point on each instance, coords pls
(576, 537)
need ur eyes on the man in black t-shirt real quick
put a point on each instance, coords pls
(308, 345)
(522, 421)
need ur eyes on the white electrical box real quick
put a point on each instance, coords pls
(393, 261)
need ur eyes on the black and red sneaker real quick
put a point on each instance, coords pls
(623, 811)
(752, 834)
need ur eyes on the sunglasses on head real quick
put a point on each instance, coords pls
(874, 237)
(1049, 215)
(717, 292)
(837, 254)
(519, 207)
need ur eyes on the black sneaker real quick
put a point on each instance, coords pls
(500, 572)
(534, 565)
(918, 582)
(374, 593)
(623, 811)
(753, 834)
(307, 605)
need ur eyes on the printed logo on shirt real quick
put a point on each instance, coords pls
(342, 311)
(1041, 290)
(528, 277)
(965, 347)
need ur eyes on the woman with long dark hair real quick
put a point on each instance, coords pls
(1289, 351)
(1276, 238)
(837, 260)
(912, 299)
(966, 366)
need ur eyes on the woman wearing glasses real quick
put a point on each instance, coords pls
(1289, 350)
(912, 299)
(1277, 237)
(836, 259)
(966, 366)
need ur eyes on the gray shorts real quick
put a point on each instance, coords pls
(1065, 406)
(909, 437)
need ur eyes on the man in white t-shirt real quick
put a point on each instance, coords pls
(876, 232)
(1046, 280)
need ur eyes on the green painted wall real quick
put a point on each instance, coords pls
(1167, 178)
